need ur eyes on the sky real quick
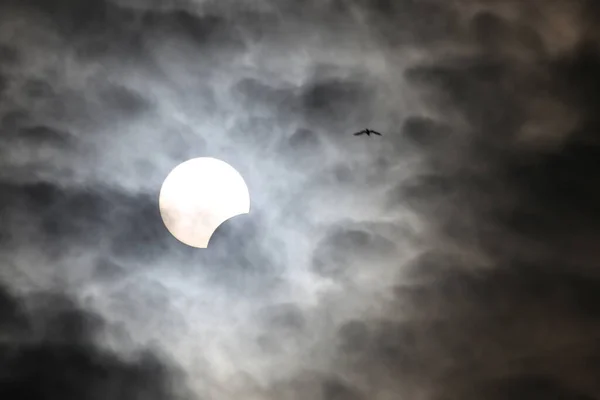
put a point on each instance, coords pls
(454, 257)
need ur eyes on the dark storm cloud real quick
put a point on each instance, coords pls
(43, 135)
(286, 323)
(48, 351)
(426, 133)
(344, 250)
(302, 149)
(412, 22)
(8, 54)
(506, 326)
(454, 257)
(74, 19)
(533, 387)
(551, 187)
(336, 390)
(64, 215)
(121, 100)
(329, 100)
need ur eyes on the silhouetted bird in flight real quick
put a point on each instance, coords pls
(367, 132)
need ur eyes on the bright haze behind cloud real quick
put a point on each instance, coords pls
(455, 257)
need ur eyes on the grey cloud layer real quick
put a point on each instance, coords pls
(455, 257)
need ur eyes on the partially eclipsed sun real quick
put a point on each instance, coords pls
(198, 196)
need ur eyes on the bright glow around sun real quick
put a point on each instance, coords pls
(198, 196)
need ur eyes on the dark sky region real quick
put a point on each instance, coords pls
(456, 257)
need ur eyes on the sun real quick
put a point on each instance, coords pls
(198, 196)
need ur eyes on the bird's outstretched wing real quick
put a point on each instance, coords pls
(359, 133)
(376, 133)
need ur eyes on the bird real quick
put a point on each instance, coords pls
(367, 132)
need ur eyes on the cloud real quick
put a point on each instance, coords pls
(454, 257)
(49, 351)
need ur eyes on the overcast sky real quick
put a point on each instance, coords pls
(455, 257)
